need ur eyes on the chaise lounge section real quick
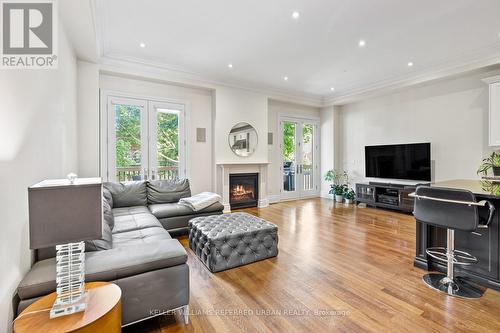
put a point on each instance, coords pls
(136, 251)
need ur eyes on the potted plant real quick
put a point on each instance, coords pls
(338, 186)
(491, 162)
(338, 191)
(349, 196)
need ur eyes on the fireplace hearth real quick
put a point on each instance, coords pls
(243, 190)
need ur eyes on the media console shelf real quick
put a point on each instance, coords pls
(386, 195)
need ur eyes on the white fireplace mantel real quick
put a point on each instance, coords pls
(225, 169)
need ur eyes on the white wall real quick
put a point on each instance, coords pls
(275, 109)
(37, 141)
(452, 114)
(199, 108)
(233, 106)
(88, 119)
(330, 142)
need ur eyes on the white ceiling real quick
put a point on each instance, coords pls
(317, 51)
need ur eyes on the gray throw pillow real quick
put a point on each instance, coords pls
(108, 213)
(127, 194)
(167, 191)
(106, 240)
(107, 195)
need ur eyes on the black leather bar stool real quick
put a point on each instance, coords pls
(454, 210)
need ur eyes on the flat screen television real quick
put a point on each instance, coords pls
(403, 161)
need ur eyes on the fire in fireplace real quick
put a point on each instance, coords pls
(243, 190)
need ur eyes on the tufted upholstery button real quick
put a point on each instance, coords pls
(230, 240)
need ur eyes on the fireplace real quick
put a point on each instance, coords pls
(243, 190)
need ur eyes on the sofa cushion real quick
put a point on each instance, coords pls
(107, 265)
(123, 211)
(165, 191)
(140, 236)
(175, 209)
(127, 194)
(130, 222)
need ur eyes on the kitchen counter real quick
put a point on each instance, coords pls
(483, 188)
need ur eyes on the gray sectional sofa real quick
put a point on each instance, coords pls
(136, 250)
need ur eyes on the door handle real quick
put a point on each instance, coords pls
(153, 174)
(145, 174)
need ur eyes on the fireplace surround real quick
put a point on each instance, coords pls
(224, 170)
(243, 190)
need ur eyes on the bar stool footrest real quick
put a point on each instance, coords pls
(459, 257)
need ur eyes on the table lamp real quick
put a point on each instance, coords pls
(64, 213)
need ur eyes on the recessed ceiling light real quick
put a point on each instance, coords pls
(362, 43)
(143, 45)
(332, 88)
(285, 78)
(295, 15)
(230, 65)
(499, 35)
(410, 64)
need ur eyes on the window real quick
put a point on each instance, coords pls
(145, 140)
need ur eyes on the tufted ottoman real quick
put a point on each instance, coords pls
(231, 240)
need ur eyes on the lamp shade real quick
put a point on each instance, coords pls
(63, 212)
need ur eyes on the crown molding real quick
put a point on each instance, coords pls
(492, 79)
(97, 27)
(98, 16)
(138, 68)
(389, 85)
(120, 65)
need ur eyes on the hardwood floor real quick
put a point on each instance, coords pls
(356, 261)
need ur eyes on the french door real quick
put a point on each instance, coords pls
(146, 140)
(300, 157)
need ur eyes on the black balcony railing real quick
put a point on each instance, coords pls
(134, 173)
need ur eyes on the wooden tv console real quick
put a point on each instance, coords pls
(386, 195)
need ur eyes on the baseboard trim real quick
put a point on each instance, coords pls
(326, 195)
(274, 198)
(295, 199)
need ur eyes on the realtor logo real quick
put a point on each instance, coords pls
(29, 34)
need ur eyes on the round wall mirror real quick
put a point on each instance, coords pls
(243, 139)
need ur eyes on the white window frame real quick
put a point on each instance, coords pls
(108, 135)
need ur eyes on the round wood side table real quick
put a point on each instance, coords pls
(103, 313)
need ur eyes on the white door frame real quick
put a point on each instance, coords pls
(153, 106)
(111, 158)
(289, 195)
(299, 192)
(108, 134)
